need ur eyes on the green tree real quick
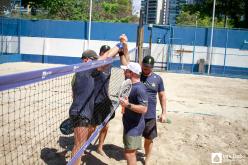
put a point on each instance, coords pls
(232, 12)
(66, 9)
(186, 18)
(102, 10)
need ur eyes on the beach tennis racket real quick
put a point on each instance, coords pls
(123, 92)
(125, 89)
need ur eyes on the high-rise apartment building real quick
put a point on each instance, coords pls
(174, 9)
(154, 11)
(162, 11)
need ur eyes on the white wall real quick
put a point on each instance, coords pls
(62, 47)
(237, 57)
(234, 57)
(75, 47)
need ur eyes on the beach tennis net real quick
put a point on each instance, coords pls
(33, 105)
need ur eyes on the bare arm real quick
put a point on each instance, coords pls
(111, 53)
(138, 108)
(115, 50)
(162, 99)
(125, 59)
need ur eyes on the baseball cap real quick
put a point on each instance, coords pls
(148, 61)
(89, 54)
(132, 66)
(104, 48)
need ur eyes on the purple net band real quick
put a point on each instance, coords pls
(25, 78)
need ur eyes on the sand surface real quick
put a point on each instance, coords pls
(208, 114)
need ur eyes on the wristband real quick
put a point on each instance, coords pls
(121, 53)
(119, 45)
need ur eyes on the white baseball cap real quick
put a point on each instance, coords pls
(132, 66)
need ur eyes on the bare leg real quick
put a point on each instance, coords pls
(91, 130)
(148, 149)
(130, 156)
(102, 138)
(80, 137)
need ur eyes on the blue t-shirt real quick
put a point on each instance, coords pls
(153, 84)
(83, 95)
(134, 122)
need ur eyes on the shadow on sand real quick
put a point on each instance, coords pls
(51, 156)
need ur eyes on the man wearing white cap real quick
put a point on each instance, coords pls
(133, 117)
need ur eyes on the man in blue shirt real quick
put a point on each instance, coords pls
(154, 85)
(81, 110)
(133, 117)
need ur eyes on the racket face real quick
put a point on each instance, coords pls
(125, 89)
(66, 127)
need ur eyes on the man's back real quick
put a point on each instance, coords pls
(83, 96)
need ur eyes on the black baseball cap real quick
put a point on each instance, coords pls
(148, 61)
(104, 48)
(89, 54)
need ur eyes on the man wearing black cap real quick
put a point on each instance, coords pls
(89, 55)
(154, 84)
(81, 110)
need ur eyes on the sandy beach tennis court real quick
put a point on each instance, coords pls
(209, 115)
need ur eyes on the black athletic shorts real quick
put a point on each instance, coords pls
(101, 111)
(79, 121)
(150, 131)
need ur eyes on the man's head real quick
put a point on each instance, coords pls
(147, 65)
(132, 70)
(89, 55)
(103, 49)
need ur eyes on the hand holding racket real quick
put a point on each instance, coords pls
(124, 92)
(124, 102)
